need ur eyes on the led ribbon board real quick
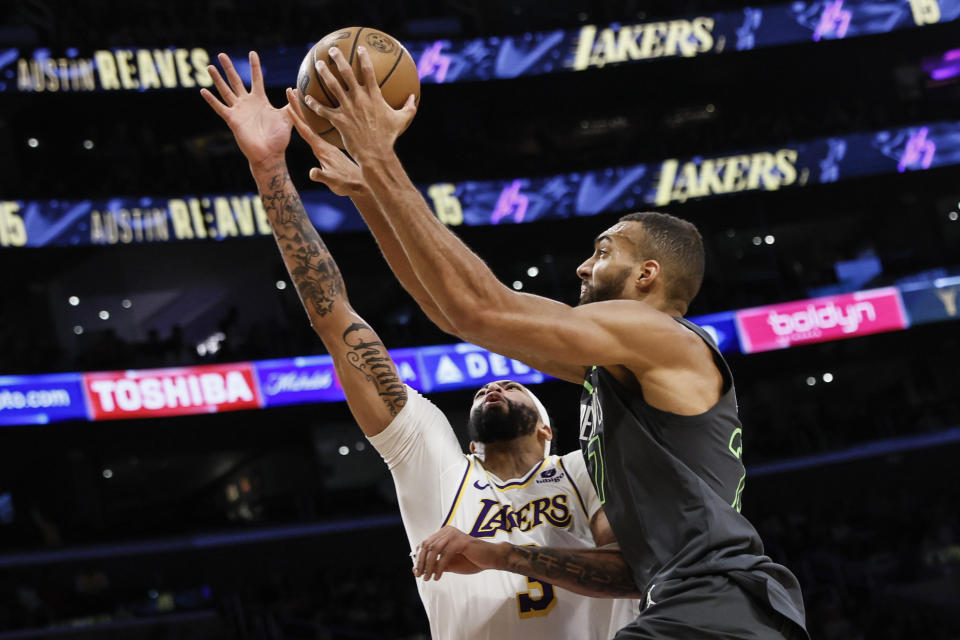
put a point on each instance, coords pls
(443, 61)
(109, 395)
(41, 223)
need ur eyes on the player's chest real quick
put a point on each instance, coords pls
(550, 511)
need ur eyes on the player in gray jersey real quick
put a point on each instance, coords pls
(660, 430)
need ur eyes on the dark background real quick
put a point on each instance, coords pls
(875, 540)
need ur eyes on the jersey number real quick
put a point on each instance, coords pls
(537, 600)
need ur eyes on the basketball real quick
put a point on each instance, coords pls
(395, 71)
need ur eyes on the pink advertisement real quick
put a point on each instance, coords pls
(819, 319)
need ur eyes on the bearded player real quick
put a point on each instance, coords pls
(508, 489)
(659, 423)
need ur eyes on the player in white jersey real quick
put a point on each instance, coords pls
(508, 488)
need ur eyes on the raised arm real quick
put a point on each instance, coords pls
(480, 308)
(345, 178)
(368, 376)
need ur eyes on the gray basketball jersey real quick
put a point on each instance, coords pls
(671, 487)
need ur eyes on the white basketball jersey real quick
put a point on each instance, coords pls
(550, 506)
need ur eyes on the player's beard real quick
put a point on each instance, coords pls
(496, 425)
(611, 289)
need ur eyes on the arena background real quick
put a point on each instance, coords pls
(276, 521)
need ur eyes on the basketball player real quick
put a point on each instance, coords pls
(659, 427)
(508, 488)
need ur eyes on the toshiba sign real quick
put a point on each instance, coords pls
(829, 318)
(171, 392)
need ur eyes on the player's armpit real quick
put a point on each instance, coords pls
(369, 377)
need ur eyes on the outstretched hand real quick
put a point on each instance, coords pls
(450, 549)
(368, 125)
(261, 131)
(336, 169)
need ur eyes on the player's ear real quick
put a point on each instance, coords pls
(545, 431)
(646, 273)
(473, 447)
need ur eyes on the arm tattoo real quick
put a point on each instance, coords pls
(368, 355)
(594, 572)
(312, 268)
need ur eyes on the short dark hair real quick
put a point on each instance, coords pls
(678, 247)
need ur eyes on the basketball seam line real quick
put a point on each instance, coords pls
(320, 81)
(390, 73)
(353, 49)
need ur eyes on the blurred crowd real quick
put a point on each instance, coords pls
(878, 560)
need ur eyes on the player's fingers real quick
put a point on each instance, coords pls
(367, 73)
(295, 113)
(330, 83)
(294, 100)
(232, 76)
(442, 563)
(321, 148)
(320, 109)
(218, 106)
(408, 111)
(226, 93)
(256, 74)
(421, 560)
(316, 175)
(433, 554)
(343, 66)
(444, 552)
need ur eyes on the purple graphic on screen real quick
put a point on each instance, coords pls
(433, 62)
(510, 202)
(945, 67)
(919, 149)
(297, 381)
(835, 20)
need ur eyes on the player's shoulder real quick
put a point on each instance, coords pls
(572, 460)
(640, 324)
(418, 407)
(576, 467)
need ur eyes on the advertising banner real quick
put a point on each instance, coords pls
(171, 392)
(820, 319)
(108, 395)
(41, 399)
(466, 366)
(722, 327)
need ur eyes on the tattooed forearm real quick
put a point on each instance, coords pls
(601, 573)
(312, 268)
(368, 355)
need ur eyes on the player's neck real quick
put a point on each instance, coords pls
(508, 460)
(658, 302)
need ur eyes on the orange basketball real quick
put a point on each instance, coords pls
(395, 70)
